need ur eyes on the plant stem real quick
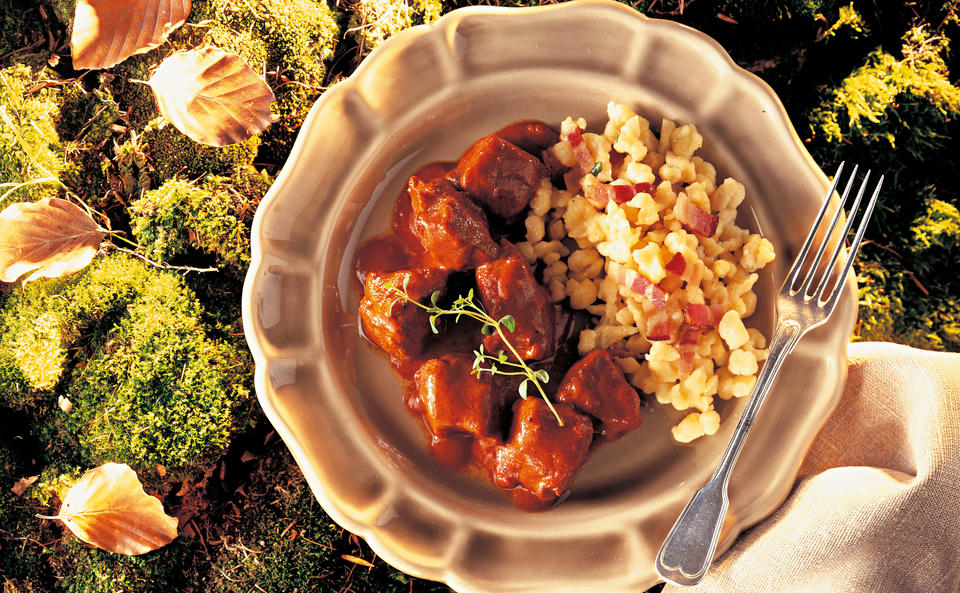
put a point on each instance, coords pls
(465, 305)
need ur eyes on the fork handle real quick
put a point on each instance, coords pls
(688, 549)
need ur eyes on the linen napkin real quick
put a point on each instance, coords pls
(876, 506)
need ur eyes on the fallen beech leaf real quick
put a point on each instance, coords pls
(106, 32)
(22, 484)
(109, 509)
(212, 96)
(50, 237)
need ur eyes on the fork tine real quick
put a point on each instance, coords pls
(798, 260)
(827, 275)
(855, 245)
(812, 270)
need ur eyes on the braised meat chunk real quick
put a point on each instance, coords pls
(499, 175)
(398, 326)
(595, 385)
(507, 287)
(451, 228)
(530, 135)
(541, 456)
(454, 401)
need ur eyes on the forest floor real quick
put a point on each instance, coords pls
(131, 347)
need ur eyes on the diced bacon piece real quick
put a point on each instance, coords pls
(599, 194)
(697, 221)
(622, 193)
(638, 283)
(685, 364)
(602, 193)
(688, 336)
(643, 188)
(699, 315)
(718, 313)
(651, 291)
(580, 149)
(687, 340)
(677, 264)
(658, 326)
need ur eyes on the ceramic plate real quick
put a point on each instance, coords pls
(426, 95)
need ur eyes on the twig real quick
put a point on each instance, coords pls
(163, 266)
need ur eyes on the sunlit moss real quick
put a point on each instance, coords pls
(897, 103)
(898, 115)
(39, 351)
(148, 385)
(849, 22)
(181, 217)
(374, 21)
(938, 225)
(29, 146)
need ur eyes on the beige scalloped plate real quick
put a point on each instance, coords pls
(427, 95)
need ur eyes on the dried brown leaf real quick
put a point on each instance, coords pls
(22, 484)
(212, 96)
(48, 238)
(106, 32)
(109, 509)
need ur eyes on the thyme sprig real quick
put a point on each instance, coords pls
(496, 364)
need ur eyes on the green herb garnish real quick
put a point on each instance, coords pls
(499, 364)
(597, 167)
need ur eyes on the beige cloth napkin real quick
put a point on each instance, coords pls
(876, 507)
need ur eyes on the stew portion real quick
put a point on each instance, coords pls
(452, 234)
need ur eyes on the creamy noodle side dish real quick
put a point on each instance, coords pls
(526, 291)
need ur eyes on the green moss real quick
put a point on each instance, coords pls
(290, 40)
(374, 21)
(21, 36)
(180, 217)
(81, 569)
(849, 23)
(24, 539)
(86, 117)
(898, 104)
(937, 226)
(29, 146)
(63, 10)
(173, 154)
(148, 385)
(136, 99)
(284, 542)
(35, 332)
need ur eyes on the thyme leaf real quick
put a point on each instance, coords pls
(501, 363)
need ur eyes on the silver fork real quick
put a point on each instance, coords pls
(688, 549)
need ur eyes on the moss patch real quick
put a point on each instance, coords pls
(30, 149)
(181, 217)
(148, 386)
